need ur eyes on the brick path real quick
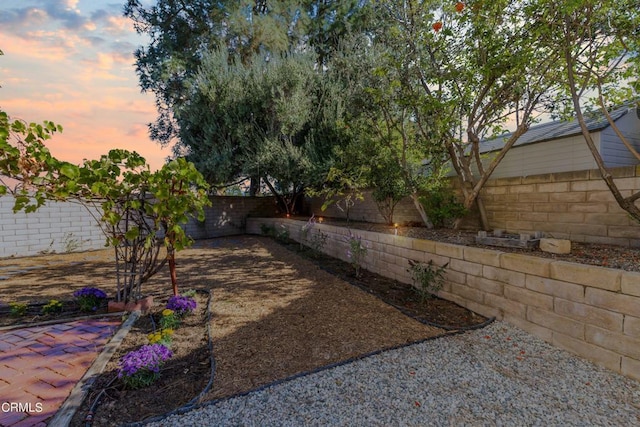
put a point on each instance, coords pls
(40, 365)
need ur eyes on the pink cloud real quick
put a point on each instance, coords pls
(79, 73)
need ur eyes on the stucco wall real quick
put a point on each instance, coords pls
(591, 311)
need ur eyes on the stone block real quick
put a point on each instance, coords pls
(532, 328)
(485, 285)
(502, 275)
(555, 322)
(630, 283)
(466, 267)
(526, 264)
(449, 250)
(589, 275)
(625, 304)
(424, 245)
(632, 326)
(506, 306)
(555, 246)
(527, 297)
(631, 368)
(482, 256)
(588, 314)
(556, 288)
(455, 277)
(533, 197)
(467, 293)
(599, 355)
(572, 197)
(476, 307)
(622, 344)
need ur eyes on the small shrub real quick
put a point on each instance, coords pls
(428, 278)
(356, 252)
(54, 306)
(316, 241)
(17, 309)
(162, 336)
(141, 368)
(89, 299)
(283, 235)
(268, 230)
(190, 293)
(169, 319)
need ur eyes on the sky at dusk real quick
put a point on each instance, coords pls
(71, 62)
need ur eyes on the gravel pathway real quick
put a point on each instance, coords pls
(496, 376)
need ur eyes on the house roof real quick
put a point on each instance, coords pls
(555, 130)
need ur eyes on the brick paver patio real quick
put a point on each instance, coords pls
(40, 365)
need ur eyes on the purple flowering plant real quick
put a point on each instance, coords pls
(141, 367)
(181, 305)
(89, 299)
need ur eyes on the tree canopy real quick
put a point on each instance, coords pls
(182, 33)
(295, 92)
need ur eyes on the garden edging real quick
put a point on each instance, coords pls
(591, 311)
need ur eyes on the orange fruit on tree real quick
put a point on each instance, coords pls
(459, 6)
(437, 26)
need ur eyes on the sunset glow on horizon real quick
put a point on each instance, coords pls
(71, 62)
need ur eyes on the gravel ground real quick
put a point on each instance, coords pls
(495, 376)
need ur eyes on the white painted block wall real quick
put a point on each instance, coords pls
(55, 227)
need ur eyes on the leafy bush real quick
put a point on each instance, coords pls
(17, 309)
(54, 306)
(315, 241)
(428, 278)
(441, 206)
(268, 230)
(163, 336)
(169, 319)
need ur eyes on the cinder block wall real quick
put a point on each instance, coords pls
(227, 215)
(591, 311)
(55, 227)
(569, 205)
(63, 227)
(366, 210)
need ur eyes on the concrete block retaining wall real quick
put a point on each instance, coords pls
(227, 216)
(591, 311)
(568, 205)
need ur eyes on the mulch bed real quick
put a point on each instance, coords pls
(276, 312)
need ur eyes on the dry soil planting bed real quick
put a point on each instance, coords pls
(274, 314)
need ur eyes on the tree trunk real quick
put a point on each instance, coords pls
(171, 257)
(484, 220)
(627, 204)
(254, 186)
(425, 219)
